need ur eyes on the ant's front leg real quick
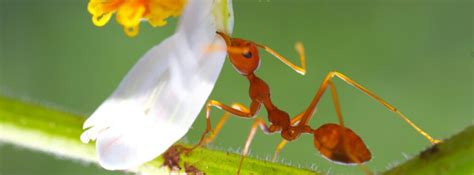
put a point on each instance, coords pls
(172, 155)
(222, 121)
(236, 109)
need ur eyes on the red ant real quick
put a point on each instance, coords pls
(336, 142)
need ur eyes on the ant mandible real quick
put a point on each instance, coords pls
(336, 142)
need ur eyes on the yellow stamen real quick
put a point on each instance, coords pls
(131, 31)
(131, 12)
(101, 20)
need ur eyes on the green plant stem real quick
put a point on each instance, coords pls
(453, 156)
(44, 129)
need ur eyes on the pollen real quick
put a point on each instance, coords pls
(129, 13)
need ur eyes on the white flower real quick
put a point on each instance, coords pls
(161, 96)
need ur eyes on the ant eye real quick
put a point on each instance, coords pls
(247, 55)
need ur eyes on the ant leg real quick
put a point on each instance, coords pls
(258, 122)
(278, 149)
(283, 142)
(337, 107)
(221, 122)
(295, 120)
(299, 48)
(383, 102)
(336, 103)
(254, 107)
(308, 113)
(217, 129)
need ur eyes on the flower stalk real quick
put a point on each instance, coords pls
(453, 156)
(47, 130)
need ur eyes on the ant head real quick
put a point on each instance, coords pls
(340, 144)
(245, 60)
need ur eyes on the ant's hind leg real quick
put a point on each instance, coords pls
(336, 103)
(327, 81)
(383, 102)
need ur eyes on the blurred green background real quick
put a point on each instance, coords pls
(418, 55)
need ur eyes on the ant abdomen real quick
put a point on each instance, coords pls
(340, 144)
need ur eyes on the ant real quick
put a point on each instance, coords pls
(336, 142)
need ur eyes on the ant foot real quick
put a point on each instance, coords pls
(435, 141)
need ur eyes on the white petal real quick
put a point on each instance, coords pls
(223, 14)
(159, 99)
